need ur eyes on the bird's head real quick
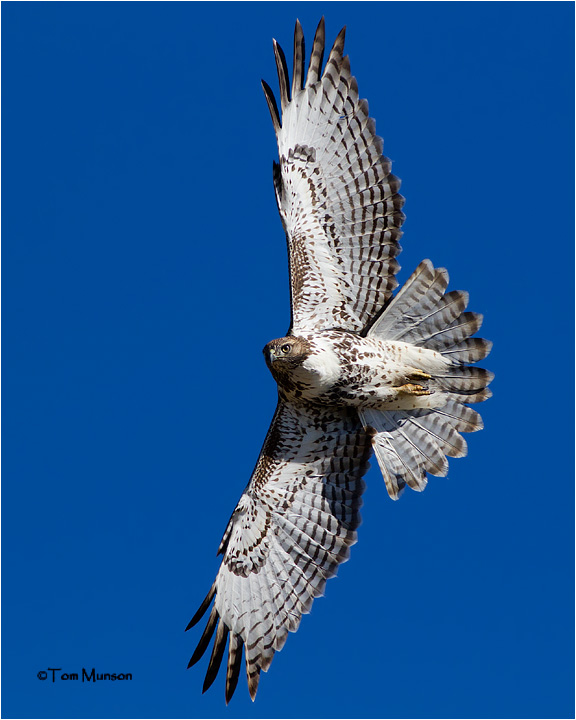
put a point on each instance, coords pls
(285, 354)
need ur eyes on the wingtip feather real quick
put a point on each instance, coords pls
(205, 639)
(282, 69)
(217, 654)
(203, 607)
(317, 54)
(234, 663)
(272, 106)
(299, 56)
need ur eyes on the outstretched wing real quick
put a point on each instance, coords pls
(337, 198)
(293, 526)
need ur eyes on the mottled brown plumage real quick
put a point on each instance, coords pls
(359, 371)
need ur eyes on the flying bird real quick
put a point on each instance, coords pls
(360, 370)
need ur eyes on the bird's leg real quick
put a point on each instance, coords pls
(418, 375)
(412, 385)
(412, 389)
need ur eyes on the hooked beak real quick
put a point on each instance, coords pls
(269, 355)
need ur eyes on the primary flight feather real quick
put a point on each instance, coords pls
(359, 371)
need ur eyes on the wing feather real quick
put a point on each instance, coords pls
(234, 663)
(299, 53)
(337, 198)
(217, 654)
(293, 526)
(317, 54)
(206, 637)
(282, 69)
(271, 100)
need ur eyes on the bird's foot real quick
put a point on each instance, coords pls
(413, 389)
(418, 375)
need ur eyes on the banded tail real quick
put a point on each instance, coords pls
(410, 443)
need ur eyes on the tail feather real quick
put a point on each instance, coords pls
(472, 396)
(445, 435)
(397, 470)
(465, 325)
(451, 417)
(464, 379)
(425, 320)
(460, 417)
(410, 443)
(470, 350)
(406, 448)
(431, 458)
(424, 280)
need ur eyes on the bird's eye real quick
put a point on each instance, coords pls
(286, 348)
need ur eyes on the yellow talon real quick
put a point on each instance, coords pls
(412, 389)
(420, 374)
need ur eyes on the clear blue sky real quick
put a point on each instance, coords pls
(144, 270)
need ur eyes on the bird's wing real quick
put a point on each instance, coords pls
(337, 198)
(293, 526)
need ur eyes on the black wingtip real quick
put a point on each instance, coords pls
(299, 58)
(272, 106)
(202, 609)
(282, 69)
(335, 58)
(339, 42)
(205, 639)
(317, 54)
(235, 646)
(216, 657)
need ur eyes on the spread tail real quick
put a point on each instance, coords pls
(410, 443)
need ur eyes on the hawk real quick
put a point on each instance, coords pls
(360, 371)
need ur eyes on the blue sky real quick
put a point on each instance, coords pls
(144, 270)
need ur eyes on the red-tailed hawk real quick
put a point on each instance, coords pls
(359, 371)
